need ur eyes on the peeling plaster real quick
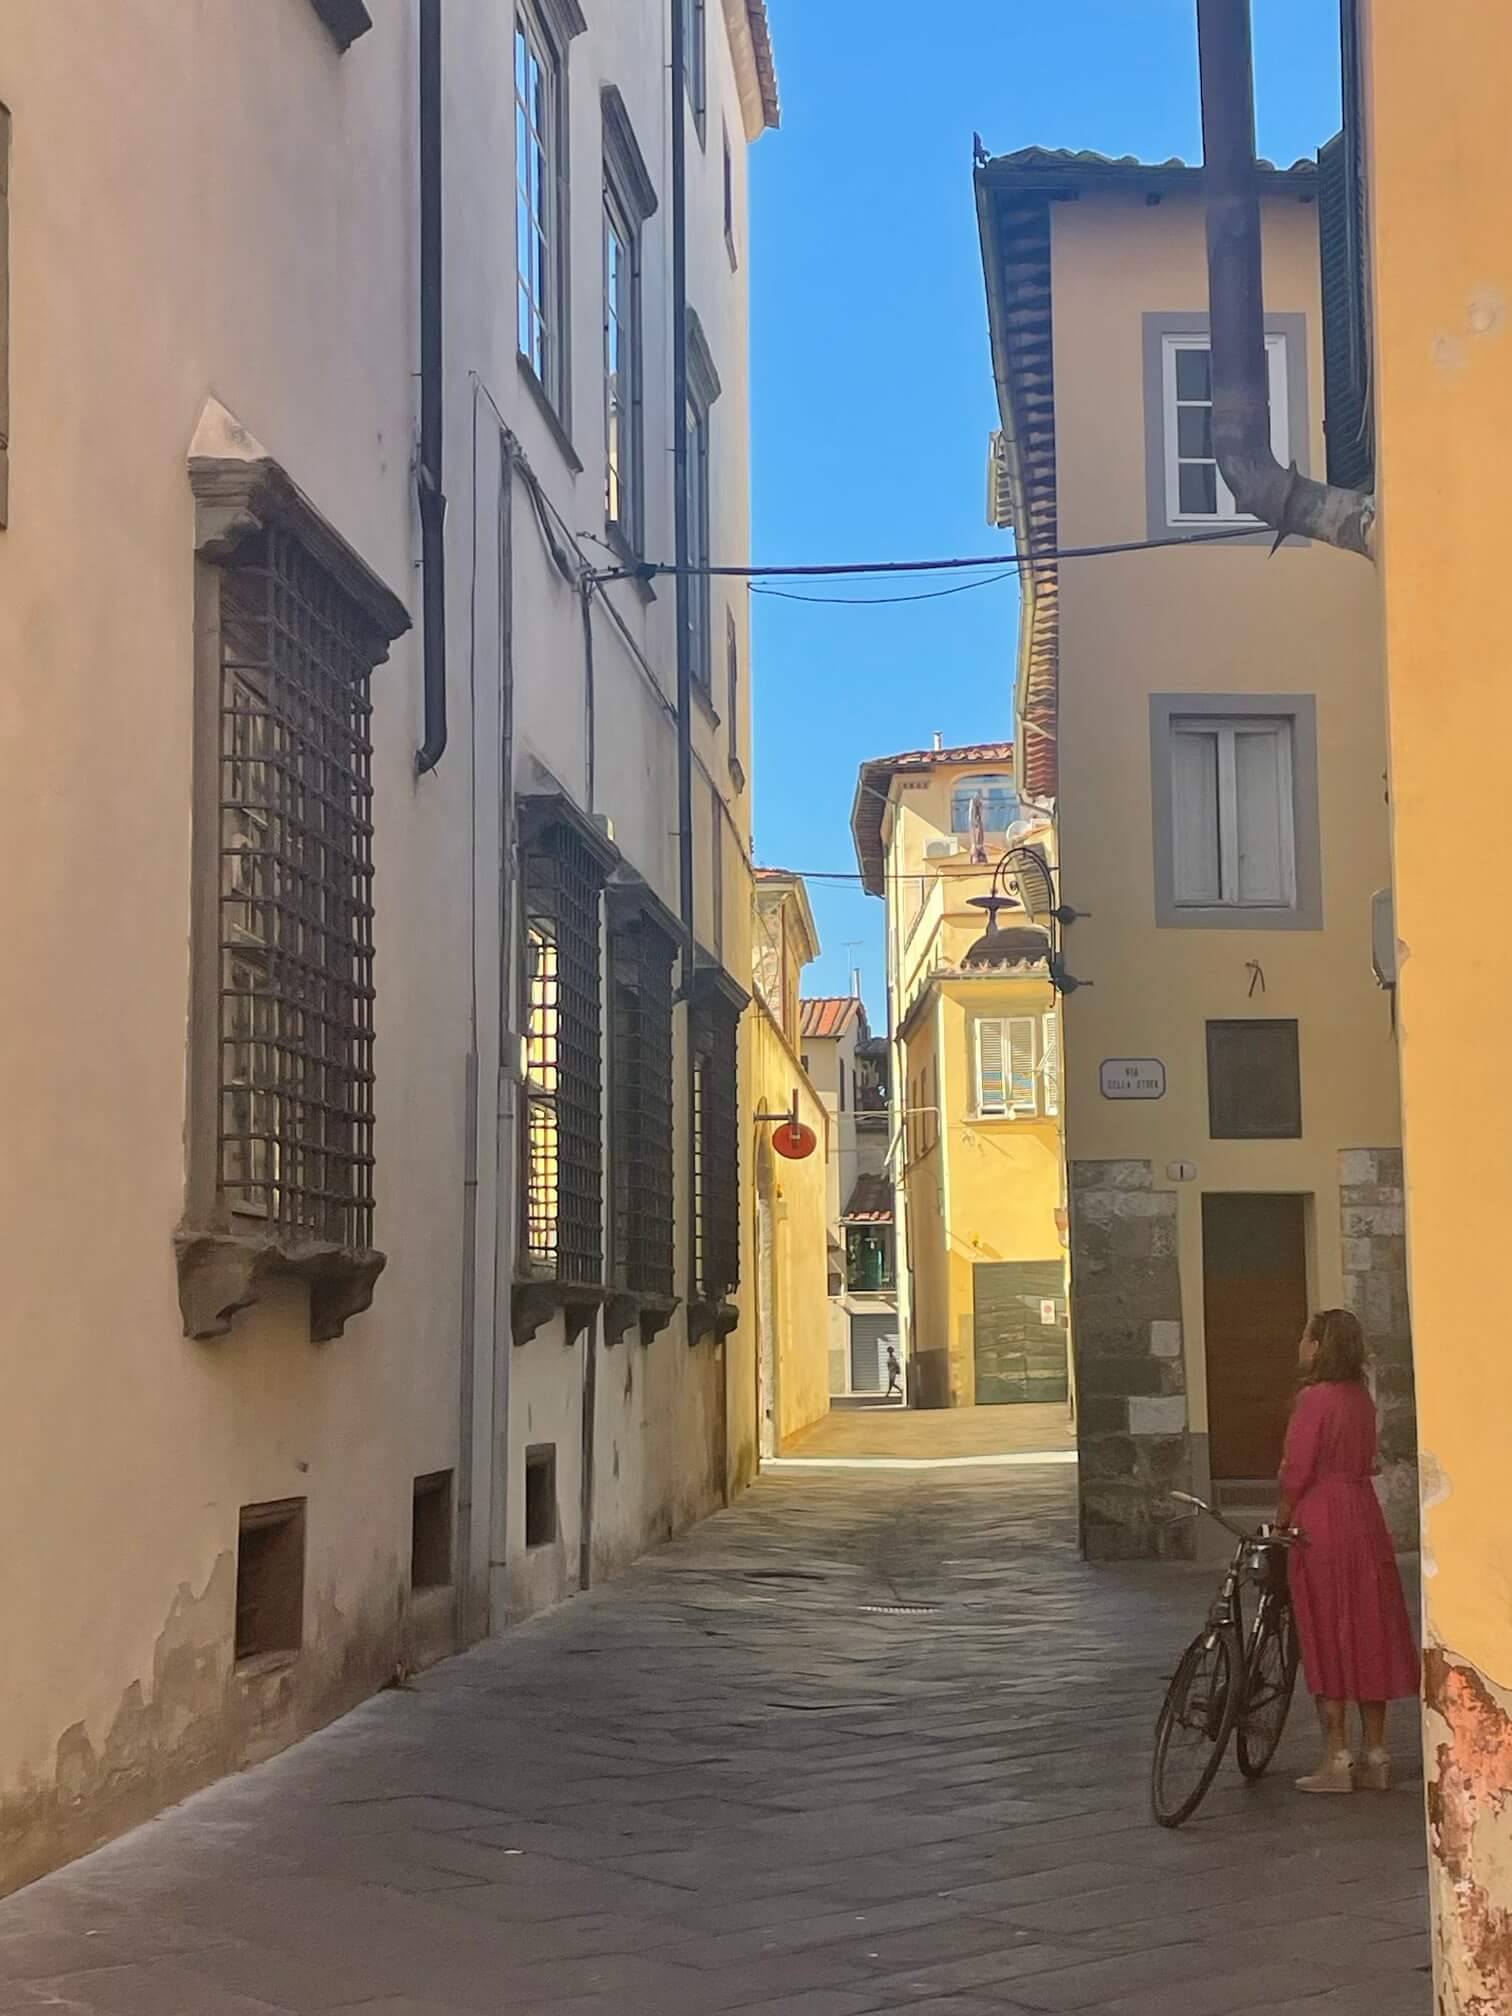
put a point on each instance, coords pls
(197, 1716)
(1468, 1743)
(1433, 1487)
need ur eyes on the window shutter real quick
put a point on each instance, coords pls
(1348, 418)
(1050, 1066)
(1194, 826)
(1021, 1063)
(992, 1090)
(1262, 780)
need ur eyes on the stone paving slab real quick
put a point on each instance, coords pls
(935, 1433)
(870, 1742)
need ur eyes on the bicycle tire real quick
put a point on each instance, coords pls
(1256, 1742)
(1216, 1656)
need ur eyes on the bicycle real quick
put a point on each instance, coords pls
(1228, 1680)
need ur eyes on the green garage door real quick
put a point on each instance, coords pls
(1020, 1326)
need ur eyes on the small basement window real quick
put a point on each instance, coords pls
(431, 1532)
(540, 1495)
(270, 1577)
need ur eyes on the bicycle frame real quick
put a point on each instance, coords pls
(1250, 1563)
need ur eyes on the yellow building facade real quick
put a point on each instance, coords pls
(789, 1206)
(1208, 724)
(1435, 88)
(975, 1083)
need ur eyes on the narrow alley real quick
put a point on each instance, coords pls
(872, 1740)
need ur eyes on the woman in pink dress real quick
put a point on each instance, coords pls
(1357, 1643)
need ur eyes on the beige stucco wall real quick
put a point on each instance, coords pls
(206, 198)
(1220, 620)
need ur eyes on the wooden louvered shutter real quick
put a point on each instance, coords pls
(1343, 241)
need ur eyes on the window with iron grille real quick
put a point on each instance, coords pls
(563, 1151)
(716, 1147)
(296, 916)
(640, 1106)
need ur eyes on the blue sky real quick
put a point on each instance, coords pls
(871, 383)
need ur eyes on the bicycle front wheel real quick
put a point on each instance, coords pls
(1268, 1694)
(1196, 1721)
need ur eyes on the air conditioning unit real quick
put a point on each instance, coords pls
(1019, 830)
(939, 850)
(1383, 943)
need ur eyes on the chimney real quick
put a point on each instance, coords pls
(856, 981)
(939, 739)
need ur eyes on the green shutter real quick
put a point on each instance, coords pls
(1343, 242)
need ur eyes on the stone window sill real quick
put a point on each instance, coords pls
(221, 1273)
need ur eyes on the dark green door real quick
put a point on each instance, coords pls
(1020, 1326)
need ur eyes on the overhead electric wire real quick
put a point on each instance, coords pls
(650, 569)
(888, 601)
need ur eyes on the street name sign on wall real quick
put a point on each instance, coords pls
(1133, 1078)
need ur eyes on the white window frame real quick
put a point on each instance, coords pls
(539, 209)
(1280, 426)
(1038, 1032)
(1226, 730)
(987, 787)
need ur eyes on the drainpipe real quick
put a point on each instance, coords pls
(682, 546)
(1284, 498)
(432, 498)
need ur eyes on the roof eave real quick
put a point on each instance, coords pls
(750, 36)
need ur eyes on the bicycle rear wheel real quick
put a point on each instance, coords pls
(1268, 1694)
(1196, 1721)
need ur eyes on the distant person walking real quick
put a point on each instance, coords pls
(894, 1374)
(1357, 1644)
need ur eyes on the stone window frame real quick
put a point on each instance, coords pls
(704, 389)
(1157, 325)
(550, 27)
(630, 202)
(1305, 913)
(225, 1263)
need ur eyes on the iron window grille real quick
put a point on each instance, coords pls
(716, 1147)
(295, 1127)
(563, 1150)
(640, 1106)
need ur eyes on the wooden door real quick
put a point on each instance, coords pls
(1254, 1296)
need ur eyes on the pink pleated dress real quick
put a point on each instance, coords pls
(1356, 1639)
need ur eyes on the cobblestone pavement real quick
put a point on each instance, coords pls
(868, 1742)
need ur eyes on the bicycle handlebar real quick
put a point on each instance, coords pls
(1279, 1539)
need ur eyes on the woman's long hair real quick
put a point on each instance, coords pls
(1341, 1349)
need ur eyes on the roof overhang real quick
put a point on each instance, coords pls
(874, 793)
(794, 886)
(750, 34)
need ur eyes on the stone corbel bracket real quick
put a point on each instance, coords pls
(627, 1310)
(711, 1319)
(534, 1303)
(222, 1273)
